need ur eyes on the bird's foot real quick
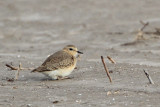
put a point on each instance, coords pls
(62, 78)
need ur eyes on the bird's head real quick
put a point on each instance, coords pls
(71, 49)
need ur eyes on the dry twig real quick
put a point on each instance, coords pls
(111, 59)
(149, 77)
(140, 32)
(105, 67)
(11, 67)
(144, 25)
(140, 36)
(17, 74)
(55, 102)
(18, 69)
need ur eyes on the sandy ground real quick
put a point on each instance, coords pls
(30, 30)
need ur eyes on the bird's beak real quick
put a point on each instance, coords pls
(79, 52)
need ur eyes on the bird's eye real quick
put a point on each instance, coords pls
(70, 49)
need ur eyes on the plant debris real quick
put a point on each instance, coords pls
(149, 77)
(55, 102)
(106, 69)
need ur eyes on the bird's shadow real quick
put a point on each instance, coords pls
(47, 79)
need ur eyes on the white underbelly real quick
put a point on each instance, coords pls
(61, 72)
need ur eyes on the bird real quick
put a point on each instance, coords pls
(60, 64)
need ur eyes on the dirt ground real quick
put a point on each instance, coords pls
(30, 30)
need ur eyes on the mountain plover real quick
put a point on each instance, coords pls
(60, 64)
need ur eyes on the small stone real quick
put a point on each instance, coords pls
(109, 93)
(79, 94)
(29, 105)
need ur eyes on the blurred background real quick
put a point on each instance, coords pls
(28, 27)
(30, 30)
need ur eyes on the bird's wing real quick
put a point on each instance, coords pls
(54, 58)
(58, 60)
(47, 63)
(41, 69)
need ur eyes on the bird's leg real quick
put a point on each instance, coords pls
(67, 77)
(62, 78)
(59, 78)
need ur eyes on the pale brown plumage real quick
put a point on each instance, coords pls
(58, 60)
(60, 64)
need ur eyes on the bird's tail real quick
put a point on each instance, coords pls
(40, 69)
(34, 70)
